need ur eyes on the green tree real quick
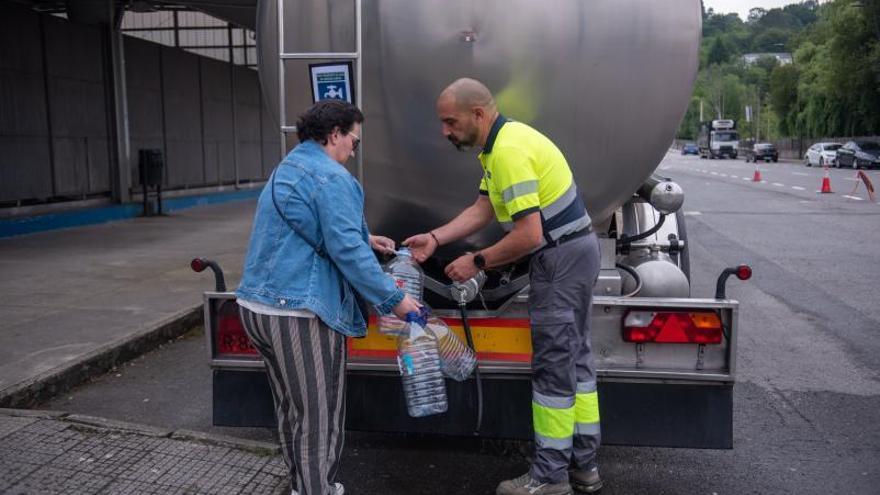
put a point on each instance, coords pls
(783, 96)
(719, 53)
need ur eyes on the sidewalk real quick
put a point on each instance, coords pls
(75, 301)
(43, 452)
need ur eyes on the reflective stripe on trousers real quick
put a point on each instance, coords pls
(565, 404)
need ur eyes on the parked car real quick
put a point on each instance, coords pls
(858, 154)
(762, 151)
(822, 154)
(690, 149)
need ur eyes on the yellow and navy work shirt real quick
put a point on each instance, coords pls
(524, 172)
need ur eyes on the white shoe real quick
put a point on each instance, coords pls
(338, 489)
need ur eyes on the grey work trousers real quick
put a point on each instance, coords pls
(564, 400)
(305, 361)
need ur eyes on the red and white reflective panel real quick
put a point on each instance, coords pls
(672, 327)
(230, 338)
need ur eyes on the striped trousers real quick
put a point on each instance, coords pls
(305, 362)
(565, 402)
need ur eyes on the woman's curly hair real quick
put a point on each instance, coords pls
(319, 121)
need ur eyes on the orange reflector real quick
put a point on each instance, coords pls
(672, 327)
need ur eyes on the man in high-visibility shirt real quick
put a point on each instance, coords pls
(528, 186)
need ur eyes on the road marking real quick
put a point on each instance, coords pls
(798, 188)
(778, 184)
(714, 173)
(692, 213)
(854, 179)
(746, 178)
(734, 177)
(852, 197)
(800, 173)
(723, 175)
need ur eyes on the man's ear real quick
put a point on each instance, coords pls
(479, 113)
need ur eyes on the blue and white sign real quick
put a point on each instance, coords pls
(331, 81)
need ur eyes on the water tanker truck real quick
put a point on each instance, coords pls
(585, 73)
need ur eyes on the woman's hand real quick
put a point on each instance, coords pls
(382, 244)
(407, 305)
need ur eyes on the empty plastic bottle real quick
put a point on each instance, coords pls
(457, 360)
(410, 278)
(419, 360)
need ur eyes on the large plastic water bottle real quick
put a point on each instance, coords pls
(457, 360)
(409, 277)
(419, 360)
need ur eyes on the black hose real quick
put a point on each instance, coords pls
(625, 241)
(635, 276)
(477, 378)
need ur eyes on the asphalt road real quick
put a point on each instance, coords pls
(807, 401)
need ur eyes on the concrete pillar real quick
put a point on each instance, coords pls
(122, 142)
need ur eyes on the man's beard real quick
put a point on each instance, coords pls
(463, 145)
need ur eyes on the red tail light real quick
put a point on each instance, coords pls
(672, 327)
(230, 338)
(743, 272)
(198, 265)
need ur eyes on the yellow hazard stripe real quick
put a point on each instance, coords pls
(586, 407)
(551, 422)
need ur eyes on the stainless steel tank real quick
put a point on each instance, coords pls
(607, 80)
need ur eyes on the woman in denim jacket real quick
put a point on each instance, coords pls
(309, 253)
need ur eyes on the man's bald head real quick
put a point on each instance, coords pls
(468, 93)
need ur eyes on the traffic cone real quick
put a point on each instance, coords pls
(757, 176)
(826, 183)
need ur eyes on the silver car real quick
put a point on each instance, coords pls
(822, 154)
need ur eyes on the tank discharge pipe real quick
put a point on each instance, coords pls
(635, 276)
(463, 293)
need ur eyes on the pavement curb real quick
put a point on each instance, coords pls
(95, 422)
(260, 448)
(62, 378)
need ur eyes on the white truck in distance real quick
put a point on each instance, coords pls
(718, 139)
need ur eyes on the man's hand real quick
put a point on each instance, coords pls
(462, 268)
(422, 246)
(382, 244)
(407, 305)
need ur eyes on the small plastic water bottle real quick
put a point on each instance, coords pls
(457, 360)
(419, 360)
(409, 277)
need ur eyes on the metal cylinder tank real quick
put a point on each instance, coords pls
(607, 80)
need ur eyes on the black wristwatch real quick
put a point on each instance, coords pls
(479, 261)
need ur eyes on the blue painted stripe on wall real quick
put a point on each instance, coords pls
(28, 225)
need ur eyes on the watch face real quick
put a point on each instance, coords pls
(479, 261)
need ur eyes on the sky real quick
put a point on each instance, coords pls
(742, 7)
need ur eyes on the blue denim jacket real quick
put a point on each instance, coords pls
(326, 203)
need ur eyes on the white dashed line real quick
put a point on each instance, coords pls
(800, 173)
(852, 197)
(746, 178)
(798, 188)
(714, 173)
(723, 175)
(778, 184)
(856, 179)
(692, 213)
(734, 177)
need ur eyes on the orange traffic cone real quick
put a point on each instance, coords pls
(757, 176)
(826, 183)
